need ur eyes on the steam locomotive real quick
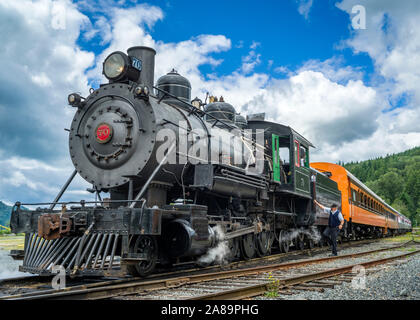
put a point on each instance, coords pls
(180, 177)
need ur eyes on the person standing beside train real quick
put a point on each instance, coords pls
(335, 224)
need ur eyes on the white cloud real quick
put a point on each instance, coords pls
(326, 101)
(392, 39)
(384, 141)
(186, 56)
(42, 64)
(282, 69)
(41, 80)
(8, 203)
(29, 180)
(254, 45)
(320, 109)
(333, 69)
(124, 28)
(250, 61)
(304, 7)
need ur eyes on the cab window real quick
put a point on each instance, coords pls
(297, 161)
(284, 155)
(304, 157)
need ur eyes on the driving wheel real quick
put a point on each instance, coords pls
(233, 245)
(263, 240)
(248, 246)
(284, 241)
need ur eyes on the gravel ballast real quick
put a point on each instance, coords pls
(397, 281)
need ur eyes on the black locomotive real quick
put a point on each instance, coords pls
(182, 177)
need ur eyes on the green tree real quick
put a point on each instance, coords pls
(395, 178)
(390, 185)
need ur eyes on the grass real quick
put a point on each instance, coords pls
(411, 249)
(401, 238)
(273, 287)
(9, 242)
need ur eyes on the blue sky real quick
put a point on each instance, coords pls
(284, 36)
(352, 92)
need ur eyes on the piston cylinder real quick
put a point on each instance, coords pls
(181, 240)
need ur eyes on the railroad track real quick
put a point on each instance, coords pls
(34, 285)
(313, 281)
(286, 278)
(145, 288)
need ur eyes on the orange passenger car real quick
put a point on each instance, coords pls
(365, 212)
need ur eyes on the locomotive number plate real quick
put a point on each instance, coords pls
(136, 63)
(103, 133)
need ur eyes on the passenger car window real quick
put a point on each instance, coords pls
(354, 194)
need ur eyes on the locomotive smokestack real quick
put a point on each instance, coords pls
(147, 57)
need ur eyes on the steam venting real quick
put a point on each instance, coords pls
(218, 254)
(9, 267)
(311, 233)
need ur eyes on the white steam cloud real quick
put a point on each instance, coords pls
(218, 254)
(311, 233)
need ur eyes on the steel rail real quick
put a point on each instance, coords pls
(260, 289)
(236, 264)
(31, 278)
(133, 287)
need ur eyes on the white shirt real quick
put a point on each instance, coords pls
(340, 216)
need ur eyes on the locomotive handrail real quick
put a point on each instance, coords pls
(18, 204)
(63, 189)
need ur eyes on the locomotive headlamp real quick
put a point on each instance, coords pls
(74, 99)
(118, 66)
